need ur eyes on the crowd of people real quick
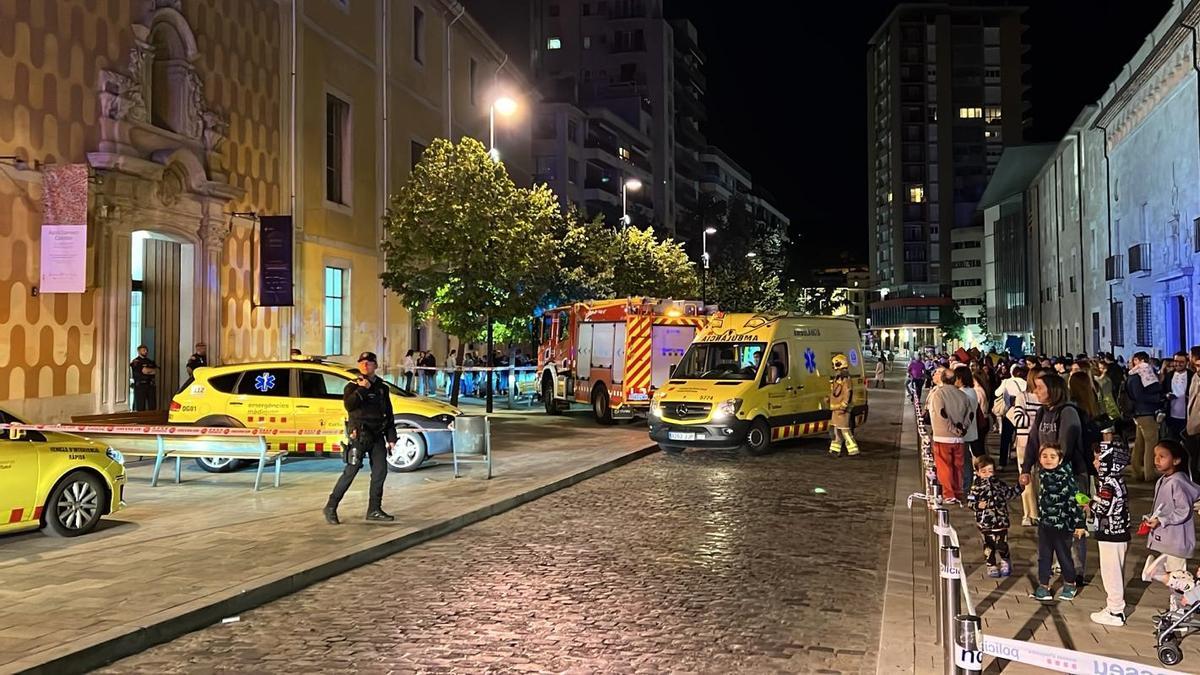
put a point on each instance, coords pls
(420, 372)
(1075, 429)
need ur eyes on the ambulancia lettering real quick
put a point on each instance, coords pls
(729, 336)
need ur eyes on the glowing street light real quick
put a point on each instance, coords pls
(506, 107)
(630, 185)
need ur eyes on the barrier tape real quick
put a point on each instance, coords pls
(1065, 660)
(167, 430)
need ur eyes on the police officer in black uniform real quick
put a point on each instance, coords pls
(199, 359)
(372, 432)
(142, 370)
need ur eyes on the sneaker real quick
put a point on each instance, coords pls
(331, 516)
(950, 500)
(1068, 592)
(1005, 568)
(378, 516)
(993, 571)
(1107, 618)
(1042, 593)
(1026, 522)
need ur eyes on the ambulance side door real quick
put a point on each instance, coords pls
(776, 383)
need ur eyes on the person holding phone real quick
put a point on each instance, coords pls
(372, 431)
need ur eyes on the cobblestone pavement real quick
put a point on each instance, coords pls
(704, 563)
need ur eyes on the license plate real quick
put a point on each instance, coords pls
(681, 435)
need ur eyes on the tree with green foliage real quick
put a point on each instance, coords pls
(465, 245)
(741, 282)
(820, 300)
(951, 323)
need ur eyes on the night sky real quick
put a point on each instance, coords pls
(787, 95)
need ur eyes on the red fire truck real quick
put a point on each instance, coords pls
(613, 354)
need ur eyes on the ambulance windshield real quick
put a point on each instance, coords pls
(721, 361)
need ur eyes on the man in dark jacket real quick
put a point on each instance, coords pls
(1109, 513)
(1145, 396)
(372, 430)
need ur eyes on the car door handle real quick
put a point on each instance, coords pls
(236, 403)
(302, 407)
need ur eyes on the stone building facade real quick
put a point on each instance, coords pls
(192, 126)
(1115, 210)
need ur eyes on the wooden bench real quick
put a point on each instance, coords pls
(254, 449)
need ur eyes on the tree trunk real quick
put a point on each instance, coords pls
(491, 375)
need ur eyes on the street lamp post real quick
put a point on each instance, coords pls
(505, 106)
(628, 185)
(704, 259)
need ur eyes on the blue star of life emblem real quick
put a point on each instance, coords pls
(854, 357)
(264, 382)
(810, 360)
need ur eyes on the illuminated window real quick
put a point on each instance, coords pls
(991, 113)
(623, 153)
(889, 198)
(554, 43)
(970, 113)
(916, 194)
(335, 298)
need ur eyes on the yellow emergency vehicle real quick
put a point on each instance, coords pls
(748, 380)
(304, 394)
(61, 482)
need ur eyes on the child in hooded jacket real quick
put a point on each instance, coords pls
(1172, 526)
(989, 499)
(1108, 514)
(1061, 518)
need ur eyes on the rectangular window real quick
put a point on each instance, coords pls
(572, 131)
(587, 9)
(554, 43)
(970, 113)
(474, 68)
(266, 382)
(337, 149)
(572, 170)
(587, 41)
(1072, 283)
(1117, 321)
(417, 151)
(1145, 327)
(335, 289)
(991, 113)
(553, 10)
(418, 35)
(916, 194)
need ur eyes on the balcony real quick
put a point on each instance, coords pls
(1139, 259)
(1114, 267)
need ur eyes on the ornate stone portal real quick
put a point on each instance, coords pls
(162, 168)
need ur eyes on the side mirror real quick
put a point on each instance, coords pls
(671, 370)
(16, 434)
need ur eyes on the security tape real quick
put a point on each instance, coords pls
(167, 430)
(947, 531)
(1065, 660)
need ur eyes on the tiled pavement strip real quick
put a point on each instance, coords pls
(179, 553)
(1007, 611)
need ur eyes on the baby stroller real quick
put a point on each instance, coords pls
(1182, 618)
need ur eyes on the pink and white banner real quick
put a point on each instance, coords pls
(64, 229)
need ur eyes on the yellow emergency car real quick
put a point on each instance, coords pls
(748, 380)
(303, 394)
(61, 482)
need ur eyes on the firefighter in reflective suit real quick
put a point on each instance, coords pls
(841, 392)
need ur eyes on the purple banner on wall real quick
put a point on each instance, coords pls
(275, 261)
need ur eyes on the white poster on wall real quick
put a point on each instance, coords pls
(64, 229)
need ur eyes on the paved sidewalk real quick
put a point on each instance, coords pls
(907, 644)
(183, 556)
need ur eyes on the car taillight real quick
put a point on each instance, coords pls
(175, 406)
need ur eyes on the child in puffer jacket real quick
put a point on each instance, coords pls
(1061, 517)
(1108, 514)
(989, 499)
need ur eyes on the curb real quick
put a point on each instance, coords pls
(122, 641)
(896, 646)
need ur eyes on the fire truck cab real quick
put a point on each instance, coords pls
(613, 354)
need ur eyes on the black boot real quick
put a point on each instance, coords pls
(331, 515)
(377, 515)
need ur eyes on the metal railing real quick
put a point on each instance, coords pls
(515, 384)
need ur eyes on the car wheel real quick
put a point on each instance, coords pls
(758, 438)
(601, 405)
(408, 453)
(548, 396)
(75, 505)
(673, 450)
(220, 464)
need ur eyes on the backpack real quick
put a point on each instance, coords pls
(1089, 436)
(1124, 403)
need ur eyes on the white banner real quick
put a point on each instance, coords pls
(1065, 660)
(64, 229)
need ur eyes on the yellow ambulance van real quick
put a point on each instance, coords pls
(748, 380)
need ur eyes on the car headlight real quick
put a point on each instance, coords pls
(115, 455)
(727, 408)
(656, 408)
